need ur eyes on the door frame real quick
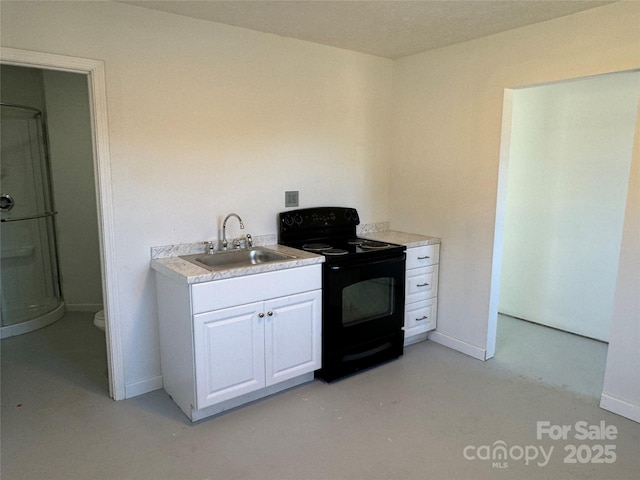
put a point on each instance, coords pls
(95, 72)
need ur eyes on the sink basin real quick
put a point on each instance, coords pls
(236, 258)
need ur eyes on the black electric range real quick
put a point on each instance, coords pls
(362, 288)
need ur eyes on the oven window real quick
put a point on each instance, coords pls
(367, 300)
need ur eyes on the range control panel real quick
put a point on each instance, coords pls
(318, 217)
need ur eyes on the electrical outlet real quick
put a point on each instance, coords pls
(291, 198)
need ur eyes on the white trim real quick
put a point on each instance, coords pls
(620, 407)
(463, 347)
(144, 386)
(498, 235)
(94, 69)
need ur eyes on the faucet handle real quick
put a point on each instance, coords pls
(249, 240)
(210, 246)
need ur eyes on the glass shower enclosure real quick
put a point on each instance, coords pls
(29, 282)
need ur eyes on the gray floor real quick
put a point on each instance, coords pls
(413, 418)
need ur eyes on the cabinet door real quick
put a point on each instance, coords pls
(293, 332)
(229, 353)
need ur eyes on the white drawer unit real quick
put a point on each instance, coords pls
(421, 297)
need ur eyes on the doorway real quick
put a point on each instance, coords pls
(564, 171)
(94, 73)
(69, 199)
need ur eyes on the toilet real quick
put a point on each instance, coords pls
(99, 320)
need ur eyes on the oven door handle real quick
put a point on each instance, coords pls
(346, 266)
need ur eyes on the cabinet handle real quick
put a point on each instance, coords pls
(261, 315)
(422, 285)
(424, 258)
(421, 318)
(270, 314)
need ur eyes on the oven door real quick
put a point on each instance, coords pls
(363, 301)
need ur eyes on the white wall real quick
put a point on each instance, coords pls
(447, 133)
(568, 170)
(74, 189)
(206, 119)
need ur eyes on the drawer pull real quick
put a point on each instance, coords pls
(424, 258)
(422, 285)
(421, 318)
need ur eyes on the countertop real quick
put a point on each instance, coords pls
(183, 271)
(410, 240)
(166, 260)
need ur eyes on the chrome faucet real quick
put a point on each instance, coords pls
(224, 229)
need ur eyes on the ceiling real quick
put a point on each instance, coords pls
(390, 29)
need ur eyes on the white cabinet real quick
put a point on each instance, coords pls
(229, 353)
(292, 336)
(421, 286)
(242, 349)
(228, 342)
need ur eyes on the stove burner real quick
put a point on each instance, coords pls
(370, 245)
(316, 247)
(355, 241)
(334, 251)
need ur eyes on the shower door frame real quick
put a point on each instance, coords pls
(94, 70)
(32, 306)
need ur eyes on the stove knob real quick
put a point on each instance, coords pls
(298, 219)
(288, 220)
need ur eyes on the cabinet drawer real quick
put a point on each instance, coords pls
(423, 256)
(421, 284)
(421, 316)
(229, 292)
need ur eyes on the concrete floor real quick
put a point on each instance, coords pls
(413, 418)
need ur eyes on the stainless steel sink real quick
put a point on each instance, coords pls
(236, 258)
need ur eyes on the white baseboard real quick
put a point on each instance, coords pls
(620, 407)
(145, 386)
(83, 307)
(459, 345)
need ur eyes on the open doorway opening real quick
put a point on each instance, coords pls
(565, 160)
(94, 72)
(50, 238)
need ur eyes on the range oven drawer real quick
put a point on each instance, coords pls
(421, 283)
(339, 363)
